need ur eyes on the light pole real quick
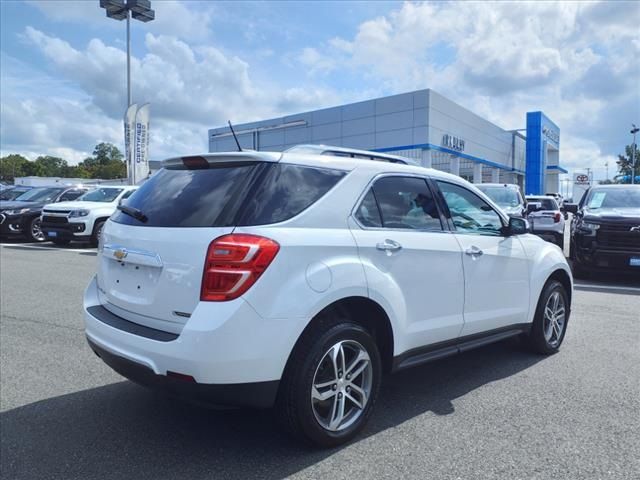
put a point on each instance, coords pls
(119, 10)
(634, 130)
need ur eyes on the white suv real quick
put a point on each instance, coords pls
(546, 218)
(295, 280)
(82, 219)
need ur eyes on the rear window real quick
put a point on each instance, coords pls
(545, 203)
(228, 195)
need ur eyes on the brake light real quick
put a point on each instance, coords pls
(234, 262)
(195, 162)
(556, 217)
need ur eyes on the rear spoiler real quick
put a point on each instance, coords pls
(209, 158)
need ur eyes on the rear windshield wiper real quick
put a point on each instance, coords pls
(133, 212)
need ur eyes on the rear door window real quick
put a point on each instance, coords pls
(402, 203)
(368, 213)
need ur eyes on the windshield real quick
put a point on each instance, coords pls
(12, 193)
(503, 196)
(101, 195)
(614, 198)
(39, 195)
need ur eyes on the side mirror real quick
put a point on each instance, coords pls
(517, 226)
(533, 207)
(570, 208)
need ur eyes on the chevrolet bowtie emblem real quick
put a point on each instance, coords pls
(120, 253)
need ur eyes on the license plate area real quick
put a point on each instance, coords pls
(132, 283)
(634, 262)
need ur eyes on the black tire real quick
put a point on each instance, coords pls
(97, 231)
(536, 339)
(294, 404)
(34, 231)
(61, 242)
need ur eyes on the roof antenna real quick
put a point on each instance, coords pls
(234, 136)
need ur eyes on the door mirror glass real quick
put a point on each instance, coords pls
(518, 226)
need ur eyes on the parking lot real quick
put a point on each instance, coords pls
(497, 412)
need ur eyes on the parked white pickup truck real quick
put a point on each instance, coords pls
(82, 219)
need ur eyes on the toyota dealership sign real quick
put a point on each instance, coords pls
(581, 183)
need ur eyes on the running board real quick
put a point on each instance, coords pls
(421, 355)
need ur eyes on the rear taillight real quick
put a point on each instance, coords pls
(556, 217)
(234, 262)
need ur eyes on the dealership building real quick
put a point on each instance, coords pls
(424, 126)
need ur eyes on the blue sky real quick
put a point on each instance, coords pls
(199, 63)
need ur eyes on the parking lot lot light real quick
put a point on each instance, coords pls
(119, 10)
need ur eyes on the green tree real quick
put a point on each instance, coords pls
(106, 162)
(625, 164)
(48, 166)
(14, 165)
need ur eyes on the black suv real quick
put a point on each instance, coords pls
(605, 230)
(21, 217)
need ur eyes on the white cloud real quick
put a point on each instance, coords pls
(190, 90)
(572, 60)
(188, 20)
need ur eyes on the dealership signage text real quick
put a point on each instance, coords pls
(452, 142)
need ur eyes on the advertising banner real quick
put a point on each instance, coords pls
(129, 125)
(141, 145)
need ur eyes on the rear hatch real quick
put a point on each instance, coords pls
(153, 249)
(150, 267)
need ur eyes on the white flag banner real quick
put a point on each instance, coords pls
(141, 145)
(129, 125)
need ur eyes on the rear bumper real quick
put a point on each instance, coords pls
(258, 394)
(223, 345)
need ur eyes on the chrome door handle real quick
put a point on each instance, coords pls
(473, 251)
(389, 246)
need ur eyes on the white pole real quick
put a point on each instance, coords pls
(130, 169)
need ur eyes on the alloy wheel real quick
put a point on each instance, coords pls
(341, 385)
(36, 231)
(554, 319)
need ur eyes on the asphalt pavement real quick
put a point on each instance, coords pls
(497, 412)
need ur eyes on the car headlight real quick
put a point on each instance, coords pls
(17, 212)
(588, 227)
(78, 213)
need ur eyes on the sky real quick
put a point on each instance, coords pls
(62, 68)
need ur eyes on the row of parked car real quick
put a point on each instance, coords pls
(605, 227)
(59, 214)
